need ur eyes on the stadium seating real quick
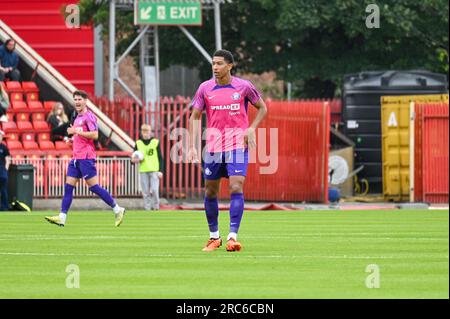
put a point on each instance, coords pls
(27, 128)
(9, 126)
(35, 105)
(14, 86)
(38, 116)
(48, 105)
(24, 125)
(61, 146)
(19, 105)
(43, 137)
(20, 117)
(14, 145)
(41, 126)
(46, 145)
(12, 137)
(31, 91)
(28, 137)
(30, 145)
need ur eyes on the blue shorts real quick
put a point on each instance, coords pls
(225, 164)
(82, 168)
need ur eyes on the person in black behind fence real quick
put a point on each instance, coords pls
(5, 161)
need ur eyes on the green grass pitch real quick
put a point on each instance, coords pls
(303, 254)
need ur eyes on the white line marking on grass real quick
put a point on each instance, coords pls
(46, 254)
(215, 256)
(330, 236)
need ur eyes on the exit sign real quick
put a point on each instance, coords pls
(167, 13)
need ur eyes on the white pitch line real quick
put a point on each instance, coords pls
(46, 254)
(214, 255)
(295, 237)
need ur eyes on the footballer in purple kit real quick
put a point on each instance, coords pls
(225, 100)
(82, 165)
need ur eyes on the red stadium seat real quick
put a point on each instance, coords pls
(12, 137)
(43, 137)
(24, 125)
(38, 117)
(29, 87)
(35, 105)
(31, 91)
(29, 137)
(61, 146)
(13, 86)
(30, 145)
(22, 117)
(8, 126)
(48, 105)
(34, 96)
(46, 145)
(14, 145)
(19, 105)
(16, 96)
(40, 125)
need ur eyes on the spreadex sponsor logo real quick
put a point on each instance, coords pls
(231, 107)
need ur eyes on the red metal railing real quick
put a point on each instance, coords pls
(303, 138)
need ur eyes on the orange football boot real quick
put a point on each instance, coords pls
(213, 244)
(233, 245)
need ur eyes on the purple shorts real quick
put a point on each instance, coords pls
(225, 164)
(82, 168)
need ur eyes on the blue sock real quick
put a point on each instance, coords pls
(236, 211)
(212, 213)
(103, 194)
(67, 199)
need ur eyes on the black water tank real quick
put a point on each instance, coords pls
(361, 114)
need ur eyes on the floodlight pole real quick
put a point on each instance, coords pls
(217, 26)
(112, 47)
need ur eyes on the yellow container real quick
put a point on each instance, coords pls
(395, 123)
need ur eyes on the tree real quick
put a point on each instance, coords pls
(310, 43)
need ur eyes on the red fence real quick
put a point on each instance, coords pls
(431, 179)
(302, 144)
(303, 138)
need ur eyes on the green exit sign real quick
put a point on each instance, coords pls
(167, 13)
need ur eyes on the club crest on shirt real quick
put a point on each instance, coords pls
(236, 96)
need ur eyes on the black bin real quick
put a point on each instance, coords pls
(21, 183)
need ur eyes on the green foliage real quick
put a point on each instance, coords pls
(310, 43)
